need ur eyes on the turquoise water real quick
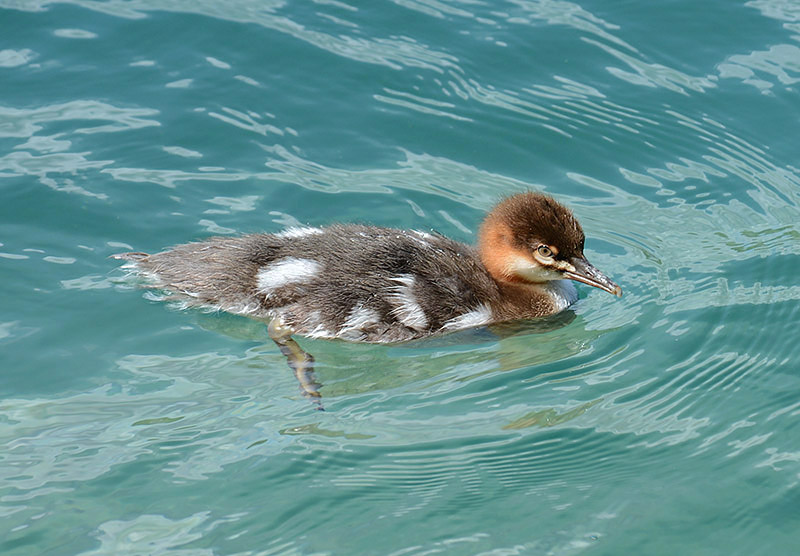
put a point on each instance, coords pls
(665, 422)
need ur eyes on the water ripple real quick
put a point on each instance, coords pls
(419, 104)
(394, 52)
(25, 122)
(556, 12)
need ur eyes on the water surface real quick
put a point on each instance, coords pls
(664, 422)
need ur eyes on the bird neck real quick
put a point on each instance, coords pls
(494, 249)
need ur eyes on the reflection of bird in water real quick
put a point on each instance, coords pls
(370, 284)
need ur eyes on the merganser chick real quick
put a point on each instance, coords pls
(371, 284)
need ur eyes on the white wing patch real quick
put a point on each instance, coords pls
(298, 231)
(286, 271)
(477, 317)
(358, 319)
(406, 308)
(315, 327)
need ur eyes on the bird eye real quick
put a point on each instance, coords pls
(545, 251)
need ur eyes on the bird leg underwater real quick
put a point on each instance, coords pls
(300, 361)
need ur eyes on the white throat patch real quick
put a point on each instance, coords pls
(532, 271)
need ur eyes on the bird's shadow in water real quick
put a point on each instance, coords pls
(356, 367)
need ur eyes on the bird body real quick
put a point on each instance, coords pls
(373, 284)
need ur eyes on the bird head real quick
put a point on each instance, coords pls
(531, 238)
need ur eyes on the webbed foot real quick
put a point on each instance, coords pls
(300, 361)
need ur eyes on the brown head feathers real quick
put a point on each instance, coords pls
(535, 218)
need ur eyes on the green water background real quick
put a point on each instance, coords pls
(665, 422)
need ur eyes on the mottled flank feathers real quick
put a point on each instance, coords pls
(352, 282)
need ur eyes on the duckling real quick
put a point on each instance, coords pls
(372, 284)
